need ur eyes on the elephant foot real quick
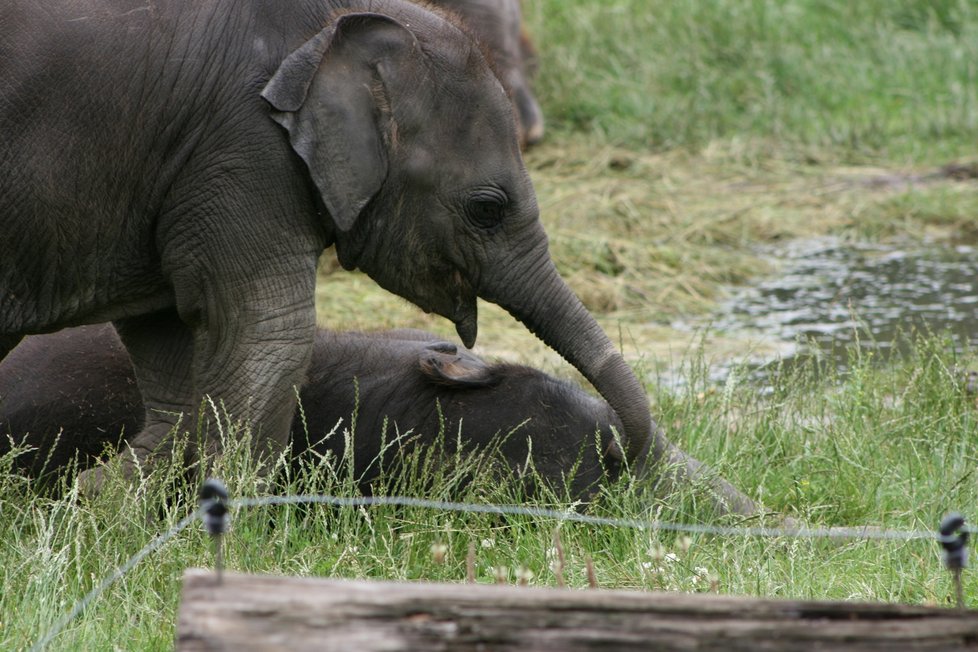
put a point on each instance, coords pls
(128, 465)
(91, 481)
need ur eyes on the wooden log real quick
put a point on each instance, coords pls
(247, 612)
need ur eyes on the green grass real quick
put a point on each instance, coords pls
(892, 79)
(889, 445)
(681, 136)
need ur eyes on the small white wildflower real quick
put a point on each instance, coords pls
(438, 551)
(487, 543)
(657, 552)
(671, 557)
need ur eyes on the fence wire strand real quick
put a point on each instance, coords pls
(109, 580)
(866, 533)
(576, 517)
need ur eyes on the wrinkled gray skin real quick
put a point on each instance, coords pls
(178, 167)
(73, 393)
(498, 25)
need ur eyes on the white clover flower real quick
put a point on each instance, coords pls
(652, 568)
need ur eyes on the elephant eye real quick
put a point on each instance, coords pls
(486, 207)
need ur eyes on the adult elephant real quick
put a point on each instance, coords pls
(72, 394)
(178, 167)
(498, 24)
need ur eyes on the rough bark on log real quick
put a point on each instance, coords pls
(247, 612)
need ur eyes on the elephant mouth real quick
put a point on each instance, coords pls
(465, 311)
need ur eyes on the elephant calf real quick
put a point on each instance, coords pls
(74, 391)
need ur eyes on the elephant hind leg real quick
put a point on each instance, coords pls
(160, 347)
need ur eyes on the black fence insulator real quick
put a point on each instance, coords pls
(953, 538)
(214, 503)
(214, 513)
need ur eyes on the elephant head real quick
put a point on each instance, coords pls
(410, 139)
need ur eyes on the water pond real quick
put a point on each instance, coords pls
(829, 294)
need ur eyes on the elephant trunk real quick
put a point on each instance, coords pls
(551, 310)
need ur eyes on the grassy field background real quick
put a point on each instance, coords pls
(682, 137)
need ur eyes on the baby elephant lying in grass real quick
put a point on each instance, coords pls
(78, 382)
(73, 392)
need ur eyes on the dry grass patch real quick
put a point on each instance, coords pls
(646, 239)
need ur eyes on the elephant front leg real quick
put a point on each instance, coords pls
(243, 355)
(247, 369)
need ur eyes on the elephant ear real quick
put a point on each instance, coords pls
(442, 364)
(329, 96)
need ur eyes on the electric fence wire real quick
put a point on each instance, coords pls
(487, 508)
(109, 580)
(576, 517)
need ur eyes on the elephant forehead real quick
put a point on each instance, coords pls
(456, 142)
(452, 175)
(467, 99)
